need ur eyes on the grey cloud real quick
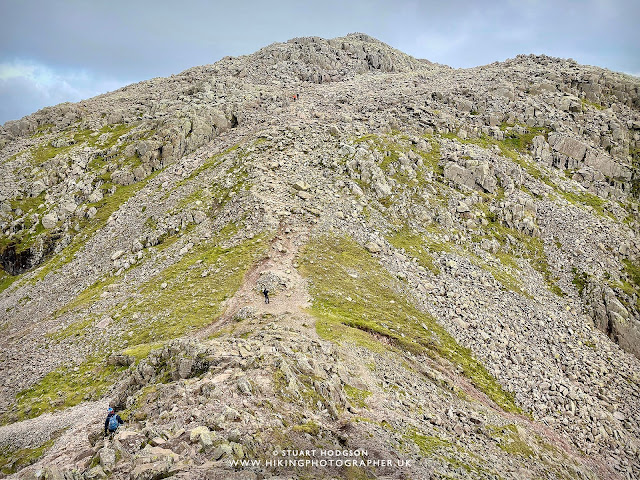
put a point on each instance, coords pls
(135, 40)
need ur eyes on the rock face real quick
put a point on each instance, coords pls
(452, 256)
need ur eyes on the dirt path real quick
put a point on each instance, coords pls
(292, 299)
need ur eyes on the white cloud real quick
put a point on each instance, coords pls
(28, 86)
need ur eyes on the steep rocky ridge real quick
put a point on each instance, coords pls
(453, 256)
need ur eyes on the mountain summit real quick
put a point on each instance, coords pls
(451, 255)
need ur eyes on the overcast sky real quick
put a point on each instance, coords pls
(53, 51)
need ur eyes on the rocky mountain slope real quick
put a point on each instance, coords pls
(453, 259)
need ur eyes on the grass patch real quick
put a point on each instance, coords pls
(13, 461)
(427, 444)
(356, 397)
(585, 198)
(355, 299)
(419, 246)
(73, 329)
(27, 236)
(509, 440)
(311, 428)
(142, 350)
(504, 277)
(28, 204)
(527, 247)
(43, 130)
(633, 271)
(196, 287)
(415, 246)
(91, 137)
(88, 295)
(6, 280)
(522, 142)
(46, 152)
(64, 387)
(587, 103)
(391, 147)
(632, 286)
(580, 280)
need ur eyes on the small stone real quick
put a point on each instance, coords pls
(157, 441)
(95, 473)
(244, 386)
(117, 254)
(196, 432)
(301, 185)
(373, 247)
(221, 450)
(231, 414)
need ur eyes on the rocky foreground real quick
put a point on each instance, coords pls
(452, 257)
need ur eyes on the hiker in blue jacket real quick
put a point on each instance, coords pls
(112, 422)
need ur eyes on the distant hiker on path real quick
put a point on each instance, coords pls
(112, 422)
(266, 295)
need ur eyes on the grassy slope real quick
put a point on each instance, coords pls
(357, 300)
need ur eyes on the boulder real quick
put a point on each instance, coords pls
(68, 207)
(95, 196)
(222, 450)
(301, 185)
(373, 247)
(91, 212)
(122, 177)
(117, 254)
(196, 432)
(37, 188)
(49, 221)
(608, 166)
(107, 458)
(567, 146)
(96, 473)
(478, 176)
(541, 151)
(120, 360)
(131, 442)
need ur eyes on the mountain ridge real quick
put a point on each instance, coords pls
(451, 253)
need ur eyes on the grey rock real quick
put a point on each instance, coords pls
(107, 459)
(49, 221)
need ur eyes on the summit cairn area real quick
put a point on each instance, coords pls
(452, 258)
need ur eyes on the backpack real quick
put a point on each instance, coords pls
(113, 423)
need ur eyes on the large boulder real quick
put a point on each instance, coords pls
(541, 151)
(608, 166)
(567, 146)
(478, 176)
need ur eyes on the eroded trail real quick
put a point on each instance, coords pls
(290, 296)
